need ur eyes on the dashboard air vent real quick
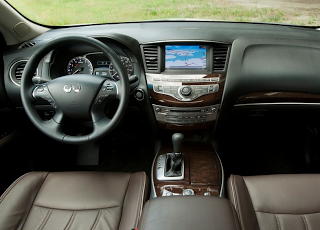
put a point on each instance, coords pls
(27, 44)
(220, 53)
(151, 57)
(16, 71)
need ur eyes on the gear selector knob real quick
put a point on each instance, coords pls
(177, 141)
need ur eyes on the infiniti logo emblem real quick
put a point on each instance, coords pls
(69, 88)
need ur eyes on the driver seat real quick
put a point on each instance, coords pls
(74, 201)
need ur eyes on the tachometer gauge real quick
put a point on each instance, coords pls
(79, 65)
(127, 64)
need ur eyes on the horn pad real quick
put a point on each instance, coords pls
(74, 94)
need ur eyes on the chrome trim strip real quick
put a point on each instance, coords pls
(94, 53)
(183, 77)
(277, 103)
(186, 40)
(14, 64)
(177, 94)
(160, 172)
(222, 171)
(153, 193)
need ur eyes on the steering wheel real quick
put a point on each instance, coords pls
(81, 96)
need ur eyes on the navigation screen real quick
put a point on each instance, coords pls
(186, 57)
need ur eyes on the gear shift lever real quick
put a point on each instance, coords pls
(177, 141)
(174, 160)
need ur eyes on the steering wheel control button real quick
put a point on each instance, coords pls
(40, 89)
(101, 99)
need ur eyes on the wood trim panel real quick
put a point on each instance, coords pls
(202, 171)
(185, 127)
(210, 99)
(274, 97)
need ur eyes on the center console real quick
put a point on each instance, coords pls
(185, 82)
(187, 189)
(187, 169)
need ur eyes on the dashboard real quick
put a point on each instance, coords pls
(188, 75)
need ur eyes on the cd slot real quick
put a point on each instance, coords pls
(185, 116)
(185, 111)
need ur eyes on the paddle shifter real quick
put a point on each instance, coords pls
(173, 161)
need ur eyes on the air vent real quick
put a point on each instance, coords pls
(151, 57)
(220, 53)
(16, 71)
(27, 44)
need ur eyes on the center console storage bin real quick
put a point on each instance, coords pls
(188, 212)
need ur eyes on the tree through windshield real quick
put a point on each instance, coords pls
(67, 12)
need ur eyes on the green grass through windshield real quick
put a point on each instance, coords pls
(66, 12)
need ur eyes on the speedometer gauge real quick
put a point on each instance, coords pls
(79, 65)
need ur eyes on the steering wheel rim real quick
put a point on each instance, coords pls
(53, 128)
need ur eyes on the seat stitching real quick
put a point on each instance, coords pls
(125, 195)
(77, 210)
(305, 222)
(140, 201)
(35, 198)
(145, 215)
(233, 193)
(236, 200)
(45, 220)
(97, 220)
(278, 222)
(234, 217)
(70, 221)
(290, 213)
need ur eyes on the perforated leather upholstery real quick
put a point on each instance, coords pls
(276, 202)
(74, 201)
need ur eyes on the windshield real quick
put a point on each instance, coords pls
(68, 12)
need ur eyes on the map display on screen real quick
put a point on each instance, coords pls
(185, 57)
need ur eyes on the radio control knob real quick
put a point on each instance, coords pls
(186, 90)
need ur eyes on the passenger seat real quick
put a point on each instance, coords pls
(276, 202)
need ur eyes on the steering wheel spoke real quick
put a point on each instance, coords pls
(59, 117)
(99, 126)
(56, 129)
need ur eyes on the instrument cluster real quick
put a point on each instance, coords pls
(97, 64)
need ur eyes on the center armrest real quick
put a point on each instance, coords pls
(188, 212)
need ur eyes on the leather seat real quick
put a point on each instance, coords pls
(74, 201)
(276, 202)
